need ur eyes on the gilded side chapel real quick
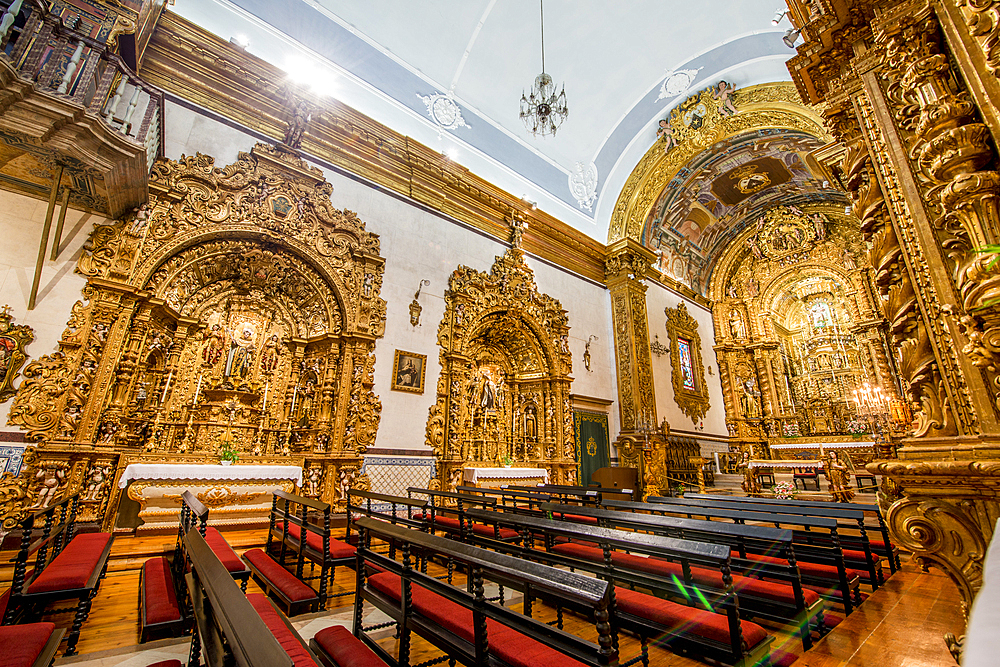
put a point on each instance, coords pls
(274, 268)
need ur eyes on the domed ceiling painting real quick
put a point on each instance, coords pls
(713, 197)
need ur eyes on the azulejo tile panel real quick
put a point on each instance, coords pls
(392, 475)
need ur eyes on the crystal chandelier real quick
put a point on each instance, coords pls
(542, 110)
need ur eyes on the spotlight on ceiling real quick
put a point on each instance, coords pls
(240, 41)
(778, 16)
(791, 35)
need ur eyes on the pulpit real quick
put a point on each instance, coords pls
(494, 478)
(150, 493)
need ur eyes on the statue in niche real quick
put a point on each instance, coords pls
(241, 352)
(269, 357)
(215, 346)
(530, 423)
(736, 328)
(488, 394)
(748, 399)
(819, 225)
(848, 260)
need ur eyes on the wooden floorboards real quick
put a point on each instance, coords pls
(901, 625)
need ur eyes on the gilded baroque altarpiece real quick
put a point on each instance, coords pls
(238, 310)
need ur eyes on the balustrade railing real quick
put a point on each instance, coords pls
(61, 60)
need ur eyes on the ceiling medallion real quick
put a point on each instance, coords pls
(583, 184)
(542, 110)
(444, 111)
(677, 82)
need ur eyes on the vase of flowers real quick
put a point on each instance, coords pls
(228, 456)
(506, 461)
(784, 490)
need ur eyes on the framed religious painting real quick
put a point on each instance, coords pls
(408, 371)
(13, 339)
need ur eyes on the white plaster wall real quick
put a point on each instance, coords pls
(659, 298)
(418, 244)
(21, 221)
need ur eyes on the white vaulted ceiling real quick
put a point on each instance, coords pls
(381, 56)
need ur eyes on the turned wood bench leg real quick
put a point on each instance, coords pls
(82, 612)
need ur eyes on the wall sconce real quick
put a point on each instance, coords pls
(586, 352)
(415, 306)
(657, 348)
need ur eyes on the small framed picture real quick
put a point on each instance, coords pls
(408, 371)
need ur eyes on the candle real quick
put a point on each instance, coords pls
(167, 386)
(197, 391)
(263, 407)
(295, 394)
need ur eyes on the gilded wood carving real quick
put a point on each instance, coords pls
(690, 390)
(13, 339)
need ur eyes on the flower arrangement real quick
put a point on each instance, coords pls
(228, 455)
(506, 461)
(784, 490)
(679, 490)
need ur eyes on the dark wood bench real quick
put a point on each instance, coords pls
(228, 628)
(805, 475)
(881, 545)
(194, 513)
(394, 509)
(585, 495)
(817, 548)
(297, 596)
(29, 645)
(706, 623)
(509, 498)
(857, 549)
(450, 518)
(66, 566)
(461, 622)
(293, 515)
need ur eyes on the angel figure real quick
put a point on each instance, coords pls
(723, 100)
(839, 478)
(311, 486)
(269, 357)
(95, 481)
(750, 484)
(51, 479)
(667, 132)
(214, 346)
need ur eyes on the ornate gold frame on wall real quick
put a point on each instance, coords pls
(692, 402)
(13, 338)
(398, 386)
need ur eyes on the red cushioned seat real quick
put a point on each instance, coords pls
(449, 522)
(817, 570)
(168, 663)
(685, 620)
(345, 649)
(225, 552)
(73, 566)
(763, 589)
(510, 645)
(338, 549)
(158, 592)
(286, 637)
(487, 531)
(419, 516)
(22, 644)
(576, 518)
(280, 578)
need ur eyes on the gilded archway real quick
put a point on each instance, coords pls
(503, 392)
(238, 310)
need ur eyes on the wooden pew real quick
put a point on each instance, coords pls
(509, 498)
(817, 547)
(461, 622)
(66, 566)
(778, 602)
(585, 495)
(162, 599)
(415, 511)
(883, 547)
(706, 623)
(857, 549)
(451, 518)
(293, 515)
(195, 514)
(29, 645)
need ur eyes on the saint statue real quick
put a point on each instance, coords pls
(240, 357)
(748, 399)
(214, 346)
(269, 357)
(736, 328)
(750, 484)
(839, 477)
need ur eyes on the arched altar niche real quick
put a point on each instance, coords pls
(237, 310)
(503, 392)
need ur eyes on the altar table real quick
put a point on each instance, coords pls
(234, 494)
(493, 478)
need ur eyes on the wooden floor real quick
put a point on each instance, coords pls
(901, 625)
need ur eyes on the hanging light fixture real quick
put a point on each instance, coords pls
(542, 110)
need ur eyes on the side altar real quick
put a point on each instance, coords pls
(149, 494)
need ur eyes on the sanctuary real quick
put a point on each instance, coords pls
(314, 307)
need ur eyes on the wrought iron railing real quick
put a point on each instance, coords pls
(61, 60)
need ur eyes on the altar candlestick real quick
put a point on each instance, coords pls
(167, 386)
(263, 406)
(197, 391)
(291, 414)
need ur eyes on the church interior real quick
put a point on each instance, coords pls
(330, 337)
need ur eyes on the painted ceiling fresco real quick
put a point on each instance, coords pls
(713, 197)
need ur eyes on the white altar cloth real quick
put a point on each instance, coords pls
(790, 463)
(207, 471)
(473, 475)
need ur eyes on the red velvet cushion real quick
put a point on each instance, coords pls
(20, 645)
(345, 649)
(73, 566)
(817, 570)
(224, 551)
(314, 540)
(487, 531)
(158, 591)
(576, 518)
(683, 620)
(859, 557)
(168, 663)
(287, 638)
(280, 578)
(510, 645)
(449, 522)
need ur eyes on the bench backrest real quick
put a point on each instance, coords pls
(751, 505)
(484, 565)
(293, 510)
(228, 628)
(370, 507)
(44, 533)
(508, 495)
(584, 494)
